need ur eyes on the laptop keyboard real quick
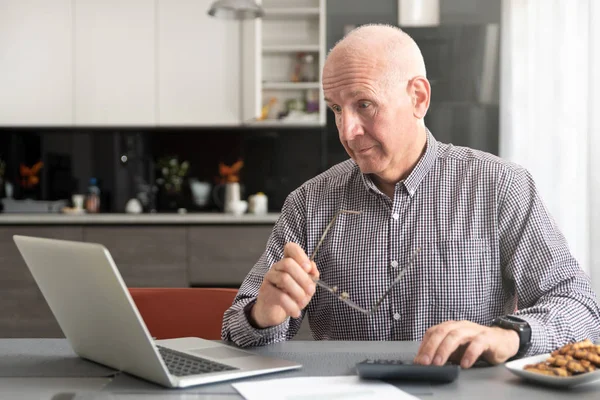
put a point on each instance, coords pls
(182, 364)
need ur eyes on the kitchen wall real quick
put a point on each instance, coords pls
(357, 12)
(470, 23)
(276, 160)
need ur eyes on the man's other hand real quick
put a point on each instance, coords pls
(286, 289)
(463, 342)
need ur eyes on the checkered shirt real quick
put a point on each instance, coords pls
(488, 248)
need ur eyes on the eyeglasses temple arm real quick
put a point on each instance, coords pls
(400, 275)
(329, 225)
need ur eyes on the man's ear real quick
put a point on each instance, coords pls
(420, 93)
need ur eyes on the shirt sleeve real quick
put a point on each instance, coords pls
(554, 295)
(290, 227)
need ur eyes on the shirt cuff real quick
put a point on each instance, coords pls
(246, 335)
(539, 336)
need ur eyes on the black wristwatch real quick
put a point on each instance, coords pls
(521, 327)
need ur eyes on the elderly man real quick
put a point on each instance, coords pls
(435, 242)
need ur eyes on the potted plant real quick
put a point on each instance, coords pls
(171, 178)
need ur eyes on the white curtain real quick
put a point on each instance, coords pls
(549, 56)
(594, 143)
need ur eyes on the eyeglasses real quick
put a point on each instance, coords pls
(344, 296)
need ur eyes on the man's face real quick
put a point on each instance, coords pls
(372, 120)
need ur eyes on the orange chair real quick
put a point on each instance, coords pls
(181, 312)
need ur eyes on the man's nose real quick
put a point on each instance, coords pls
(349, 126)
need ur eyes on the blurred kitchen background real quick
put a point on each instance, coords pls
(173, 137)
(76, 126)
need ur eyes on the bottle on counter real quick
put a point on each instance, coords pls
(92, 201)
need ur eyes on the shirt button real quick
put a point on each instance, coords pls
(395, 216)
(396, 316)
(394, 263)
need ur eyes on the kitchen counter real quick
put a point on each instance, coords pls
(138, 219)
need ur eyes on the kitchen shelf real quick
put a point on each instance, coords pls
(291, 85)
(291, 48)
(272, 51)
(291, 12)
(276, 122)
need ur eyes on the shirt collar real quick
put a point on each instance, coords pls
(414, 179)
(411, 183)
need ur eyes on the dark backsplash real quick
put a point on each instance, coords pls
(276, 161)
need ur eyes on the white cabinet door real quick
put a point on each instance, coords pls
(36, 74)
(115, 62)
(199, 79)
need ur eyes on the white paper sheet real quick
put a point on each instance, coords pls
(320, 388)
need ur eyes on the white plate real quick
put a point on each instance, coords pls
(516, 367)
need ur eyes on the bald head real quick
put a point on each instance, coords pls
(389, 48)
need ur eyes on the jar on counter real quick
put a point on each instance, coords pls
(92, 201)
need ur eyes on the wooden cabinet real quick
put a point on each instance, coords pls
(223, 255)
(198, 65)
(23, 310)
(114, 58)
(148, 256)
(36, 74)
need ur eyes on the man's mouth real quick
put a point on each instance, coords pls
(364, 150)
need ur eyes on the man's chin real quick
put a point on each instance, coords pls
(366, 167)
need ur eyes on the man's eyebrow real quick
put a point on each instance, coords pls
(353, 94)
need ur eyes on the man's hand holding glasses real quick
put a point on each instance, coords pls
(286, 289)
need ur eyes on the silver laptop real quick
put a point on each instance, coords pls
(92, 305)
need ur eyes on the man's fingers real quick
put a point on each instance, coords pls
(314, 272)
(288, 286)
(286, 303)
(431, 341)
(289, 267)
(465, 342)
(295, 252)
(479, 345)
(450, 344)
(457, 355)
(286, 283)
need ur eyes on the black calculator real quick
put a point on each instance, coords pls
(391, 370)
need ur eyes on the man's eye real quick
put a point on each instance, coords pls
(364, 104)
(336, 108)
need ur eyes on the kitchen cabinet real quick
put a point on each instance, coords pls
(222, 255)
(114, 59)
(36, 63)
(145, 256)
(198, 65)
(149, 255)
(23, 310)
(118, 63)
(284, 53)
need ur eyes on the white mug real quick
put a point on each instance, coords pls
(238, 207)
(133, 206)
(78, 200)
